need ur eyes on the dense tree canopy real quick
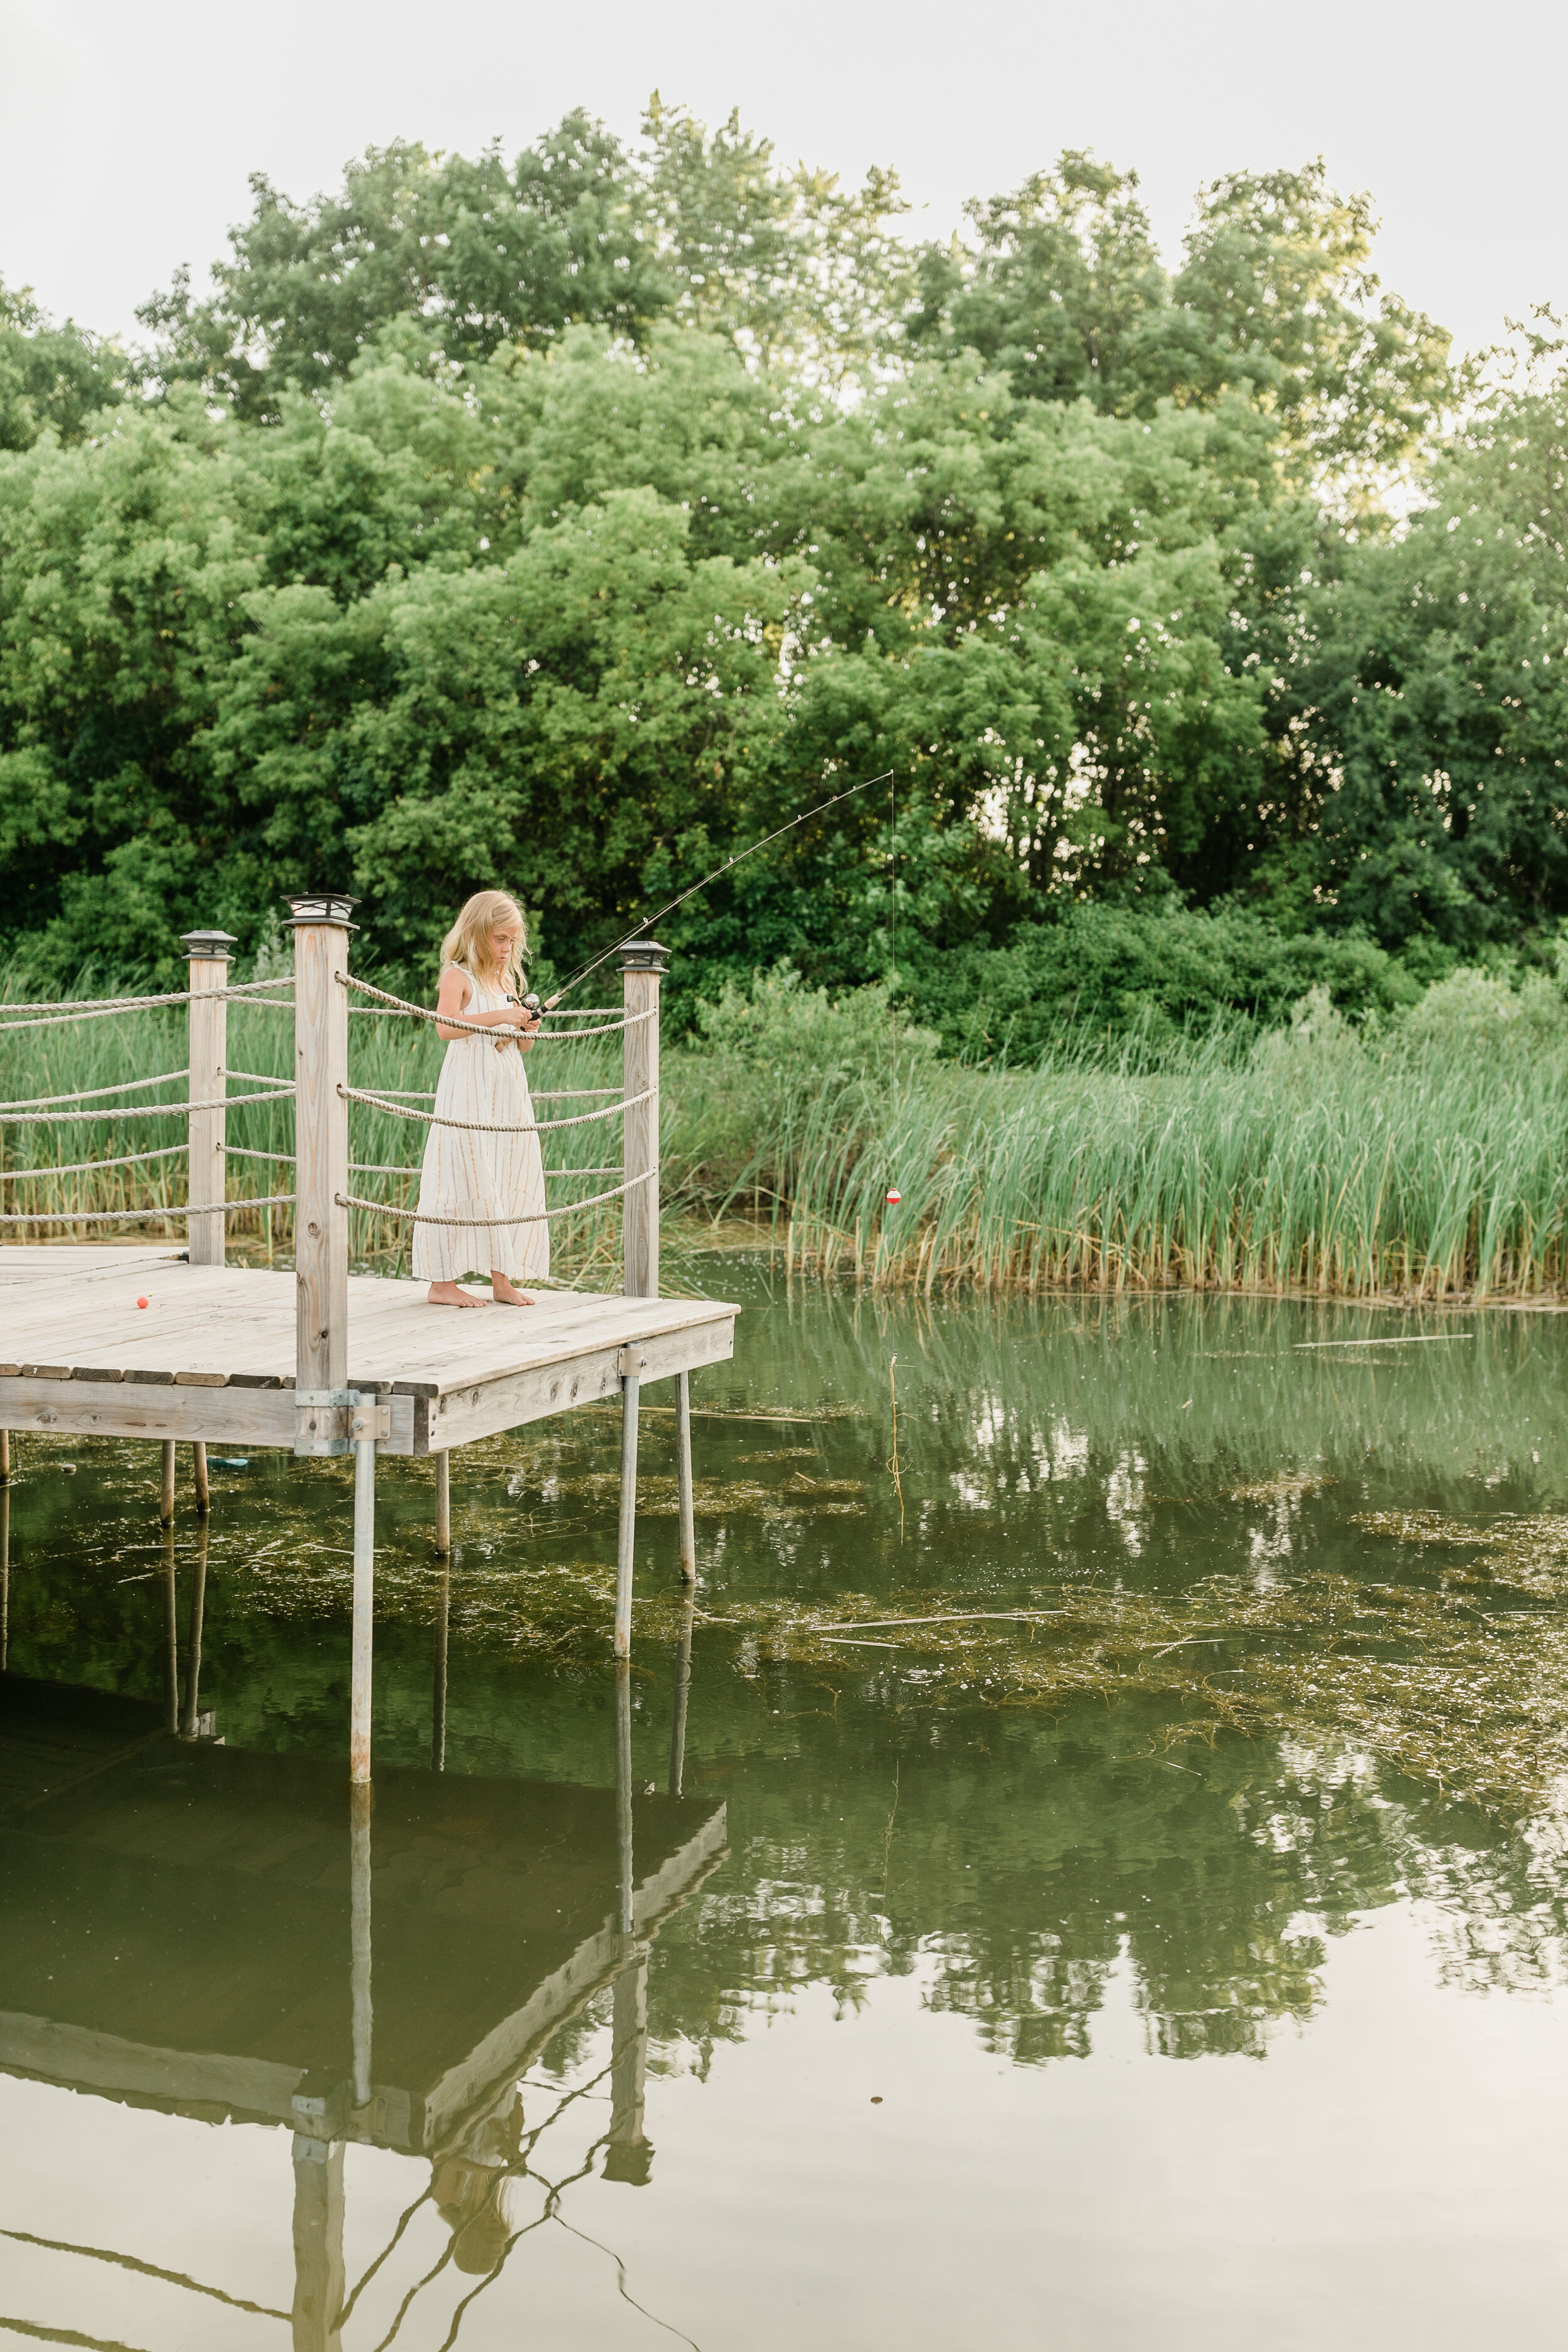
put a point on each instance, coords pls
(569, 521)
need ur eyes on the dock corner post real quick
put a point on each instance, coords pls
(631, 1383)
(207, 957)
(321, 925)
(683, 1477)
(642, 968)
(5, 1458)
(166, 1486)
(199, 1474)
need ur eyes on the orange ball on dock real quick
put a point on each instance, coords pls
(141, 1302)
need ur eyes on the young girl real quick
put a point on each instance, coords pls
(493, 1179)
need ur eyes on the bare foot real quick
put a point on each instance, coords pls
(448, 1293)
(504, 1294)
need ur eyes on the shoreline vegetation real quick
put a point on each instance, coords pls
(1416, 1156)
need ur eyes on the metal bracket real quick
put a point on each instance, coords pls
(629, 1363)
(371, 1417)
(321, 1420)
(330, 1421)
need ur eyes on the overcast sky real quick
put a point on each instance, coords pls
(126, 133)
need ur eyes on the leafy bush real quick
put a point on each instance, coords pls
(1116, 970)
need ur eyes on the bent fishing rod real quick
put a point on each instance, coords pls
(531, 1003)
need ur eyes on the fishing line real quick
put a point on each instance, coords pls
(740, 854)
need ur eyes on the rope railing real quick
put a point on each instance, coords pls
(135, 1216)
(490, 1224)
(480, 1127)
(144, 1110)
(262, 1078)
(102, 1008)
(90, 1167)
(87, 1094)
(485, 1028)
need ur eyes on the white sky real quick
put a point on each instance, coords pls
(126, 133)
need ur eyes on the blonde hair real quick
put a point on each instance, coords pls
(467, 942)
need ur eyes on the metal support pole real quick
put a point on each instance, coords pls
(443, 1502)
(682, 1686)
(5, 1458)
(199, 1470)
(683, 1477)
(171, 1637)
(629, 2157)
(166, 1491)
(625, 1903)
(190, 1716)
(631, 1382)
(439, 1703)
(359, 1891)
(4, 1576)
(364, 1423)
(207, 961)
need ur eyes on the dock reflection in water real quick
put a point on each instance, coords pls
(232, 1936)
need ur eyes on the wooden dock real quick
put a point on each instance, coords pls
(211, 1356)
(319, 1361)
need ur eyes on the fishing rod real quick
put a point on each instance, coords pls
(533, 1003)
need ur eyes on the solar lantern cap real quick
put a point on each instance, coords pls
(210, 947)
(311, 907)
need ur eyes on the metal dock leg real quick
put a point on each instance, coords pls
(359, 1898)
(443, 1502)
(199, 1465)
(631, 1382)
(683, 1477)
(166, 1491)
(682, 1690)
(366, 1419)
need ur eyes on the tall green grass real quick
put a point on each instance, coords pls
(1425, 1157)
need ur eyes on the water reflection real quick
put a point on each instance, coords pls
(229, 1936)
(502, 1949)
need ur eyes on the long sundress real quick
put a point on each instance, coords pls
(496, 1180)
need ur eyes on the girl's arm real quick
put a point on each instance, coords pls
(455, 990)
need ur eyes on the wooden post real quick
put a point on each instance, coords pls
(5, 1458)
(683, 1477)
(199, 1471)
(642, 968)
(359, 1928)
(631, 1382)
(207, 962)
(319, 2280)
(442, 1501)
(166, 1491)
(321, 926)
(4, 1576)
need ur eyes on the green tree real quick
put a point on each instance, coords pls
(52, 379)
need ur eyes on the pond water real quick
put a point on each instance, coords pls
(1166, 1947)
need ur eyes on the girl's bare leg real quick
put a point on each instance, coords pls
(448, 1293)
(504, 1294)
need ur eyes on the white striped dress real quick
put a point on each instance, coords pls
(493, 1178)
